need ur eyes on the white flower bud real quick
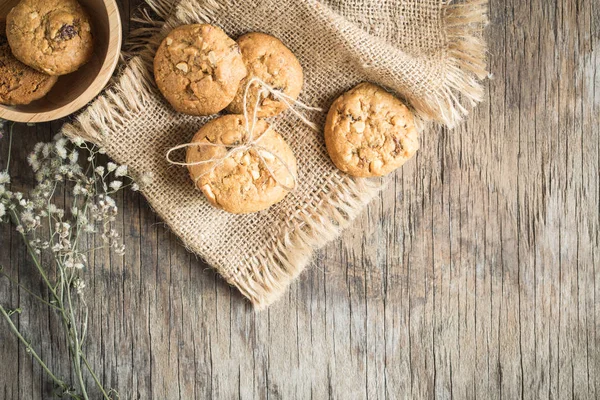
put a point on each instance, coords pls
(121, 171)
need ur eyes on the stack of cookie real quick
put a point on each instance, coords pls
(241, 164)
(238, 161)
(44, 39)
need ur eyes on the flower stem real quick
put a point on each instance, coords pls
(76, 345)
(30, 350)
(89, 368)
(37, 262)
(10, 139)
(14, 282)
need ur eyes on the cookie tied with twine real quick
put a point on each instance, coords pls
(240, 163)
(237, 172)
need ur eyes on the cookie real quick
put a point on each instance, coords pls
(268, 59)
(241, 183)
(20, 84)
(51, 36)
(369, 132)
(198, 69)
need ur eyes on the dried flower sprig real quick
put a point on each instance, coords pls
(47, 228)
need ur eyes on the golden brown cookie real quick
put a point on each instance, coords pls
(52, 36)
(369, 132)
(269, 60)
(241, 183)
(198, 68)
(20, 84)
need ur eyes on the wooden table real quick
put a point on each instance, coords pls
(476, 274)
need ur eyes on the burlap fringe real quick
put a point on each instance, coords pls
(271, 272)
(466, 56)
(463, 23)
(116, 107)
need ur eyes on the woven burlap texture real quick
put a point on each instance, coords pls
(428, 52)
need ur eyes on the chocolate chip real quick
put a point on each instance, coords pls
(67, 32)
(397, 147)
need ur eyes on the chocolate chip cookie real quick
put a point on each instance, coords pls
(241, 182)
(198, 69)
(369, 132)
(20, 84)
(51, 36)
(269, 60)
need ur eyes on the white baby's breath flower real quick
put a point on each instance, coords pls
(111, 166)
(100, 170)
(121, 171)
(4, 178)
(27, 216)
(78, 141)
(32, 159)
(74, 156)
(115, 185)
(146, 178)
(135, 187)
(102, 150)
(79, 285)
(2, 210)
(60, 148)
(110, 201)
(120, 249)
(64, 227)
(46, 149)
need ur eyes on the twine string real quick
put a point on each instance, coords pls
(251, 143)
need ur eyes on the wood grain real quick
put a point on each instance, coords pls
(476, 274)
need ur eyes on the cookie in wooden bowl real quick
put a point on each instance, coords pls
(51, 36)
(20, 84)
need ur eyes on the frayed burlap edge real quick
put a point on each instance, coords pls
(273, 270)
(466, 65)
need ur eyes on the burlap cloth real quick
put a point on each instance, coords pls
(428, 51)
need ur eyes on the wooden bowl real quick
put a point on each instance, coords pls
(75, 90)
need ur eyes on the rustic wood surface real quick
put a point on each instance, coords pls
(476, 274)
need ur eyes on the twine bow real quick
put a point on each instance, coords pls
(251, 142)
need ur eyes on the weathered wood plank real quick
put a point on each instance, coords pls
(473, 275)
